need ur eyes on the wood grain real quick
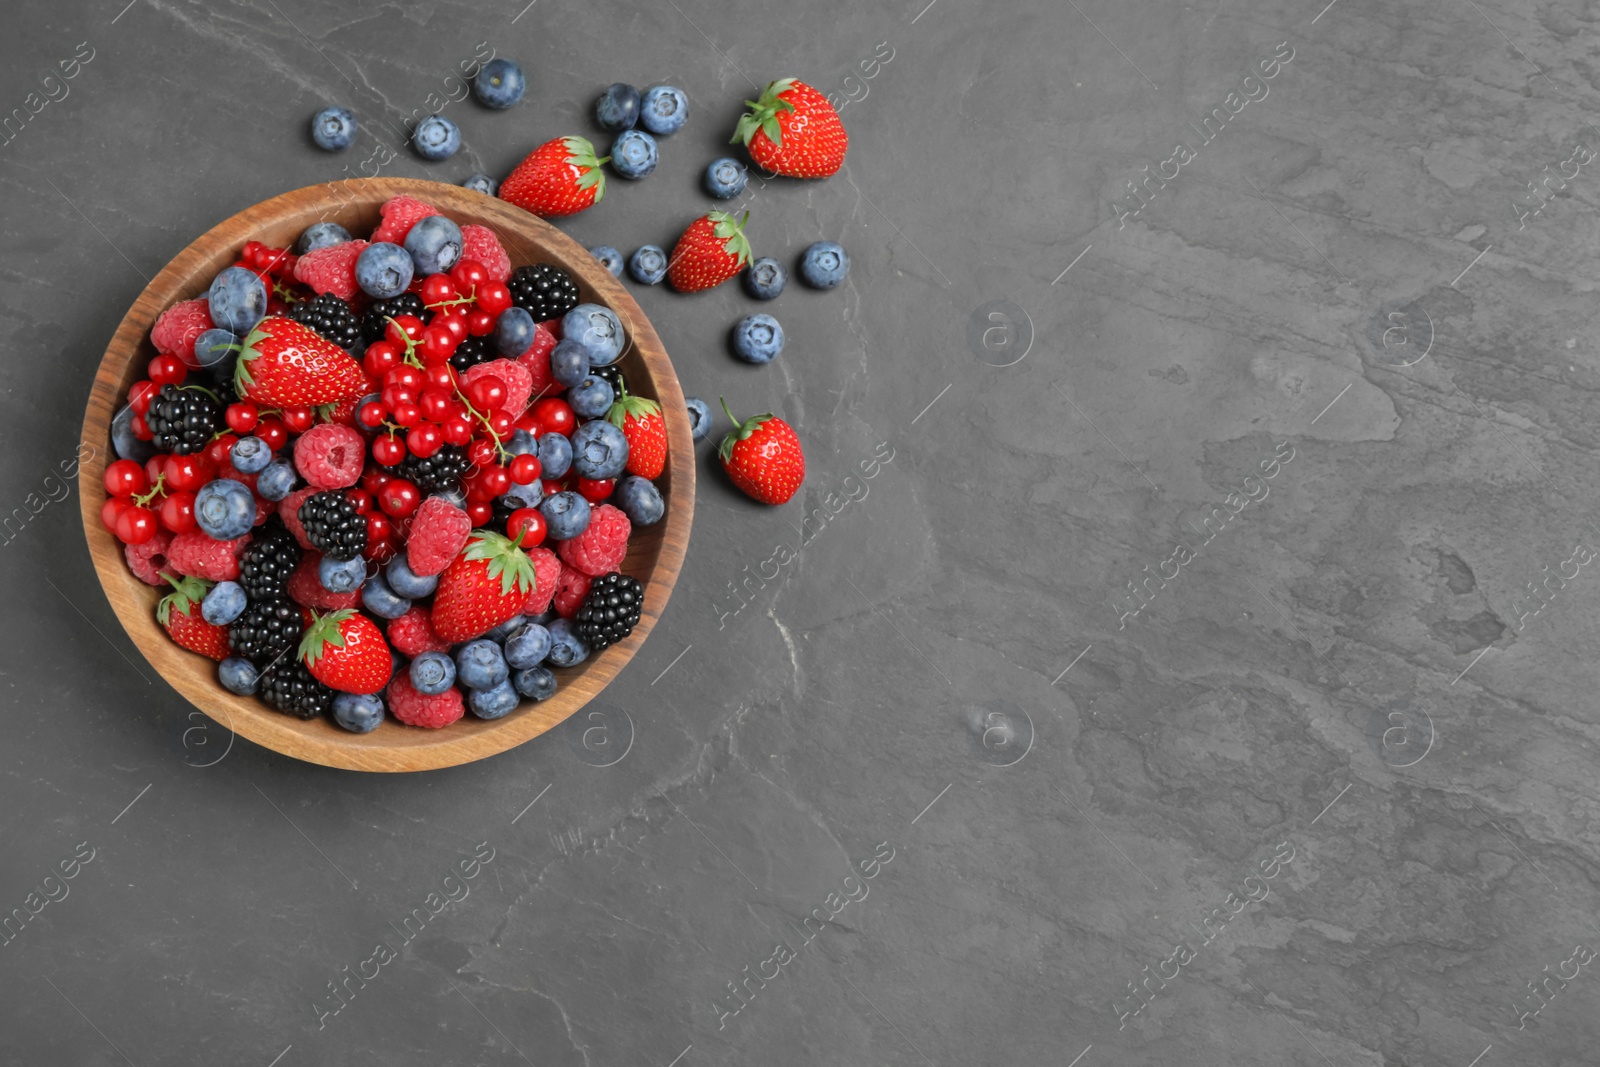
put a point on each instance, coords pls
(655, 554)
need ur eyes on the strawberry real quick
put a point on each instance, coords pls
(346, 651)
(793, 130)
(641, 423)
(712, 250)
(285, 364)
(763, 458)
(179, 613)
(560, 177)
(487, 584)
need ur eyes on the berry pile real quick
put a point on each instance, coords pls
(353, 463)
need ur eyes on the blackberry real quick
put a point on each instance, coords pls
(288, 686)
(544, 291)
(330, 317)
(267, 629)
(183, 419)
(438, 473)
(610, 611)
(268, 560)
(472, 351)
(376, 320)
(333, 526)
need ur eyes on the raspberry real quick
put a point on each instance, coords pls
(547, 572)
(197, 555)
(414, 709)
(149, 559)
(399, 215)
(331, 269)
(571, 588)
(439, 529)
(536, 360)
(412, 634)
(175, 331)
(602, 544)
(479, 244)
(289, 512)
(516, 378)
(305, 589)
(330, 456)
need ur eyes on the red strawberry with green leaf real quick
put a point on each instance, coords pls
(486, 584)
(641, 423)
(793, 130)
(763, 457)
(284, 364)
(179, 614)
(560, 177)
(346, 651)
(712, 250)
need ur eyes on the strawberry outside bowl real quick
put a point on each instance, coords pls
(655, 553)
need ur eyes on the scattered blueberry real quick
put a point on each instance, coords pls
(591, 398)
(725, 178)
(434, 244)
(341, 575)
(384, 270)
(545, 617)
(566, 514)
(699, 417)
(223, 604)
(569, 362)
(495, 702)
(618, 107)
(609, 258)
(481, 183)
(277, 480)
(634, 154)
(238, 675)
(566, 647)
(360, 713)
(210, 347)
(480, 665)
(597, 328)
(523, 496)
(663, 110)
(126, 445)
(225, 509)
(436, 137)
(320, 235)
(765, 278)
(535, 683)
(432, 673)
(648, 265)
(513, 332)
(406, 582)
(499, 84)
(499, 634)
(250, 455)
(824, 265)
(555, 455)
(333, 129)
(522, 443)
(639, 500)
(757, 338)
(599, 450)
(237, 300)
(378, 598)
(527, 646)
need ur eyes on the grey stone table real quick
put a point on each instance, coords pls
(1201, 675)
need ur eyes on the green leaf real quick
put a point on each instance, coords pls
(774, 132)
(187, 592)
(325, 630)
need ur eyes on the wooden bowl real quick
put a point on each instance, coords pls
(655, 554)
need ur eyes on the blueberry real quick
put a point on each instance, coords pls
(591, 398)
(566, 514)
(225, 509)
(699, 417)
(333, 129)
(341, 576)
(639, 500)
(499, 84)
(210, 348)
(513, 332)
(757, 338)
(432, 673)
(277, 480)
(824, 265)
(378, 598)
(238, 675)
(436, 137)
(648, 265)
(250, 455)
(320, 235)
(480, 665)
(725, 178)
(499, 633)
(405, 582)
(555, 455)
(634, 154)
(495, 702)
(545, 617)
(223, 604)
(384, 270)
(765, 278)
(566, 647)
(598, 329)
(663, 109)
(535, 683)
(237, 300)
(522, 443)
(569, 362)
(618, 107)
(522, 496)
(527, 646)
(360, 713)
(455, 496)
(599, 450)
(434, 244)
(481, 183)
(126, 445)
(609, 258)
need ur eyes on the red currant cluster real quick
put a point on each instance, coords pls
(156, 495)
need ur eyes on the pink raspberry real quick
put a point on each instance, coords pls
(399, 215)
(175, 331)
(331, 269)
(571, 588)
(547, 575)
(307, 590)
(289, 512)
(415, 709)
(412, 634)
(197, 555)
(601, 546)
(536, 360)
(330, 456)
(514, 376)
(439, 530)
(479, 244)
(149, 559)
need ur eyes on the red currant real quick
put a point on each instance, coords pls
(242, 416)
(438, 345)
(177, 512)
(477, 488)
(493, 297)
(154, 468)
(486, 393)
(273, 432)
(442, 376)
(531, 424)
(526, 528)
(403, 330)
(140, 428)
(140, 394)
(501, 423)
(125, 477)
(479, 512)
(388, 450)
(480, 323)
(468, 273)
(481, 453)
(399, 498)
(111, 510)
(552, 486)
(455, 323)
(379, 526)
(525, 469)
(379, 358)
(373, 479)
(424, 440)
(457, 429)
(135, 525)
(435, 404)
(595, 491)
(395, 395)
(167, 370)
(220, 450)
(438, 288)
(555, 415)
(371, 414)
(496, 479)
(298, 419)
(189, 472)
